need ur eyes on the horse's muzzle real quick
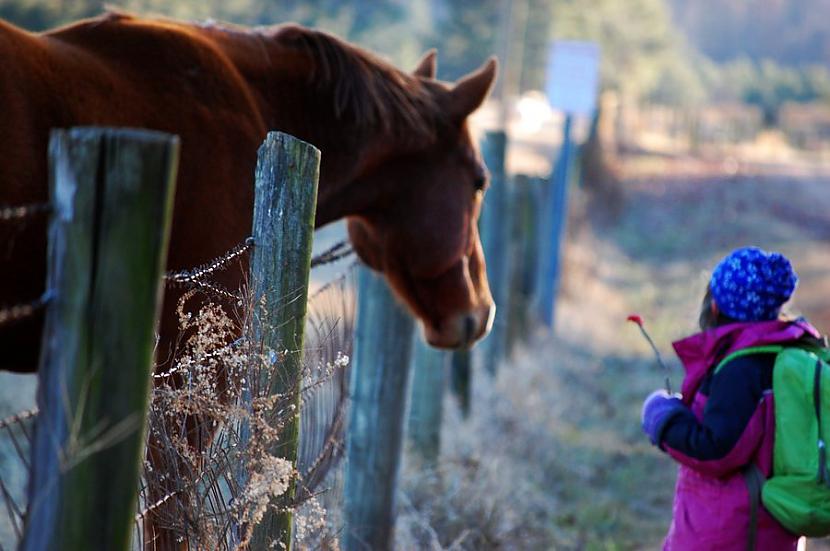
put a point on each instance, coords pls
(462, 330)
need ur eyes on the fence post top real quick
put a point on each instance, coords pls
(276, 137)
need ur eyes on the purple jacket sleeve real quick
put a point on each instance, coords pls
(729, 426)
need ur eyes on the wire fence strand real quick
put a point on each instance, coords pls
(21, 311)
(194, 275)
(340, 250)
(23, 211)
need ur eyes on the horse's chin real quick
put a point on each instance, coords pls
(461, 331)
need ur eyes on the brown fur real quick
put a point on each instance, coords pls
(397, 158)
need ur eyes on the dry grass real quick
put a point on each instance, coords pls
(215, 464)
(553, 456)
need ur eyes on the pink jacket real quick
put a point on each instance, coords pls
(711, 502)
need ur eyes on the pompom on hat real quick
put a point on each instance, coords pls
(751, 284)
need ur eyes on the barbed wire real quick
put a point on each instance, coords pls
(192, 278)
(9, 426)
(193, 275)
(332, 254)
(22, 211)
(18, 418)
(336, 281)
(20, 311)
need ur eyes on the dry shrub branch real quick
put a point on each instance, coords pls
(213, 466)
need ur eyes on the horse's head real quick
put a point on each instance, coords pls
(422, 230)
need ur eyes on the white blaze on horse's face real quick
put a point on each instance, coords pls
(426, 239)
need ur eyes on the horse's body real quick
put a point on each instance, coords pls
(397, 157)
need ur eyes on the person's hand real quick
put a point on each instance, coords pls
(658, 408)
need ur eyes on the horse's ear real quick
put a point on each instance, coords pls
(427, 67)
(470, 92)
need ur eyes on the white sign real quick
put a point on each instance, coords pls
(573, 76)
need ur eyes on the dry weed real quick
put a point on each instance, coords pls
(214, 466)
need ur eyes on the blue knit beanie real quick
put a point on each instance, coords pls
(752, 285)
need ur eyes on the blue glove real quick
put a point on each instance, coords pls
(658, 409)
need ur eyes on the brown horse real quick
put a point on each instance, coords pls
(398, 160)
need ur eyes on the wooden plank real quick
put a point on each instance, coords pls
(111, 191)
(429, 366)
(495, 238)
(461, 380)
(379, 389)
(555, 222)
(523, 258)
(287, 173)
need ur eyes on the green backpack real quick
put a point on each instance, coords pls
(798, 492)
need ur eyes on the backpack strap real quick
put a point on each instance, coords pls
(754, 479)
(766, 349)
(823, 473)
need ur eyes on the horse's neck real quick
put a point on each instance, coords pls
(294, 102)
(343, 161)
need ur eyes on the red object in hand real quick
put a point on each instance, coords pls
(636, 319)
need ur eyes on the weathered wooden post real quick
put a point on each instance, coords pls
(495, 238)
(111, 192)
(283, 229)
(461, 380)
(571, 85)
(379, 389)
(554, 232)
(429, 367)
(522, 258)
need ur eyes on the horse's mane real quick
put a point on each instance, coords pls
(368, 91)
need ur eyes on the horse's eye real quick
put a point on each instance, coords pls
(480, 183)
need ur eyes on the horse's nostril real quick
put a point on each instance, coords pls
(470, 326)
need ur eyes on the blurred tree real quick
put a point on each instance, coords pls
(789, 32)
(642, 54)
(38, 15)
(535, 44)
(769, 85)
(465, 32)
(380, 25)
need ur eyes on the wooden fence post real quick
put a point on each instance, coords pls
(111, 193)
(283, 229)
(426, 401)
(495, 237)
(379, 383)
(461, 380)
(522, 259)
(553, 233)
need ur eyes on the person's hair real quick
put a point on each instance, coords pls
(707, 319)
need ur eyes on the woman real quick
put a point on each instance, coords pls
(721, 428)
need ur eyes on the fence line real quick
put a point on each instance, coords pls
(495, 236)
(17, 429)
(23, 311)
(429, 373)
(16, 212)
(17, 312)
(286, 182)
(113, 194)
(379, 391)
(323, 395)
